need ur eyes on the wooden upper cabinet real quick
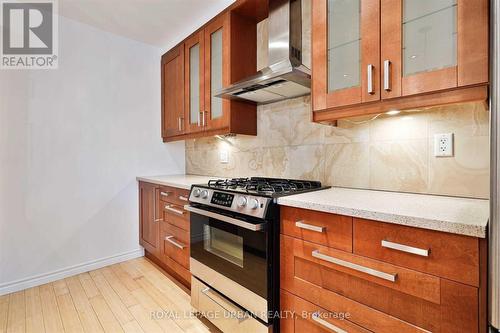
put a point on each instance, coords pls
(172, 85)
(195, 82)
(346, 52)
(370, 56)
(216, 71)
(220, 53)
(430, 45)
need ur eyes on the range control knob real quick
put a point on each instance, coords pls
(204, 194)
(196, 192)
(253, 204)
(242, 202)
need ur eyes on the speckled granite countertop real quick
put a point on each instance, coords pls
(449, 214)
(179, 181)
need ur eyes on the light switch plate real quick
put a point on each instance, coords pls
(224, 156)
(443, 145)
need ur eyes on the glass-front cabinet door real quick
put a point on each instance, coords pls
(194, 86)
(216, 71)
(428, 45)
(346, 52)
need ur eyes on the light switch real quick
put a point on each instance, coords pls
(224, 156)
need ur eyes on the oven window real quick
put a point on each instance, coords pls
(223, 244)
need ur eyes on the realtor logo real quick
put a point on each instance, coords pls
(29, 34)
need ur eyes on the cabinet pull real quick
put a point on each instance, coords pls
(370, 89)
(317, 318)
(203, 118)
(180, 123)
(387, 75)
(405, 248)
(183, 198)
(165, 194)
(302, 225)
(356, 267)
(155, 208)
(171, 240)
(177, 211)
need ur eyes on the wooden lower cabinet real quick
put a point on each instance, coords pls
(164, 229)
(333, 290)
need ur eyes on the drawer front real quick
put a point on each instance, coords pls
(451, 256)
(181, 272)
(414, 302)
(311, 318)
(176, 215)
(222, 313)
(317, 227)
(174, 195)
(175, 244)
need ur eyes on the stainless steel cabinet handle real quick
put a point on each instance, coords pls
(180, 123)
(302, 225)
(177, 211)
(203, 118)
(155, 208)
(405, 248)
(356, 267)
(165, 194)
(387, 75)
(171, 240)
(217, 300)
(371, 89)
(183, 198)
(317, 318)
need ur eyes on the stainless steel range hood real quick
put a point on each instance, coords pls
(286, 76)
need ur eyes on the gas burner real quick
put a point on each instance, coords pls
(265, 186)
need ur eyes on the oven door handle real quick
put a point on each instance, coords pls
(239, 223)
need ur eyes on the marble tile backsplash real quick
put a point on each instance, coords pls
(392, 153)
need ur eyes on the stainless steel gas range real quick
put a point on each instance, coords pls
(235, 250)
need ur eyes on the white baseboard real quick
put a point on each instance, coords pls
(10, 287)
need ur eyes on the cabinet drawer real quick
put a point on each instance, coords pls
(317, 227)
(414, 302)
(451, 256)
(175, 244)
(311, 318)
(222, 312)
(176, 215)
(174, 195)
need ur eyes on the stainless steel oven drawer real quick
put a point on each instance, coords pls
(224, 314)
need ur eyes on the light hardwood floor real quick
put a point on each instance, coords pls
(133, 296)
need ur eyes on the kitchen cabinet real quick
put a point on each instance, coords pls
(164, 228)
(211, 60)
(393, 279)
(149, 217)
(172, 81)
(371, 56)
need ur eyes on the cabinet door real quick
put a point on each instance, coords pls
(431, 45)
(149, 217)
(172, 85)
(194, 85)
(346, 52)
(217, 71)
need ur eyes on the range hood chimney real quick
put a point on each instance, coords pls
(286, 76)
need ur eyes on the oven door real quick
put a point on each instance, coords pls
(236, 248)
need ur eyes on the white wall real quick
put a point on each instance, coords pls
(72, 142)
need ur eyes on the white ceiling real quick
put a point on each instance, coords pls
(162, 23)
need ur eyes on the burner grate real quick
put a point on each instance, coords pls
(264, 185)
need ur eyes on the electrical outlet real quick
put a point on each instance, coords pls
(224, 156)
(443, 145)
